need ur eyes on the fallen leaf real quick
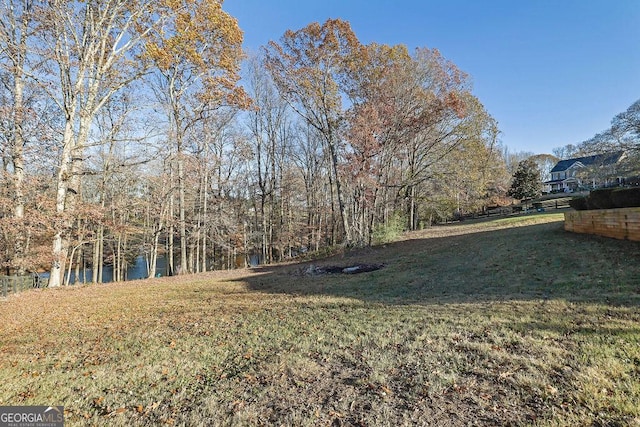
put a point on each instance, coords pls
(385, 390)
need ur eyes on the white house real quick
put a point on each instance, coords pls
(590, 171)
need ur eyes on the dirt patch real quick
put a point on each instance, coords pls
(317, 270)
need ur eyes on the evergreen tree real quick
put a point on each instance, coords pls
(526, 181)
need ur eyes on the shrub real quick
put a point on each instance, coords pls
(608, 198)
(389, 232)
(600, 199)
(626, 197)
(579, 203)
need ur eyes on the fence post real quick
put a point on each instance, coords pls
(15, 284)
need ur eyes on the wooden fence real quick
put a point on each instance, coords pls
(559, 203)
(531, 206)
(15, 284)
(621, 223)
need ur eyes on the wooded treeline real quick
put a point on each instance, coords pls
(126, 130)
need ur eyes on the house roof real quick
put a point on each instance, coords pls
(598, 160)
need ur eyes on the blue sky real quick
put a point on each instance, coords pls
(551, 72)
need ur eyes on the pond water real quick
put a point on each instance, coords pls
(134, 272)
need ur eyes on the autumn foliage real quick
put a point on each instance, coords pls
(132, 114)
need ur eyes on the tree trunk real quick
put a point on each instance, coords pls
(181, 212)
(60, 240)
(170, 244)
(153, 261)
(76, 279)
(95, 257)
(101, 254)
(18, 175)
(205, 208)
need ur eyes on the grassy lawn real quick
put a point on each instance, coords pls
(504, 322)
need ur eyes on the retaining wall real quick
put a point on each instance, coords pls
(621, 223)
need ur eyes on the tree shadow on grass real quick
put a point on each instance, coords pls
(536, 262)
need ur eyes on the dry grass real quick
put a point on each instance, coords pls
(511, 322)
